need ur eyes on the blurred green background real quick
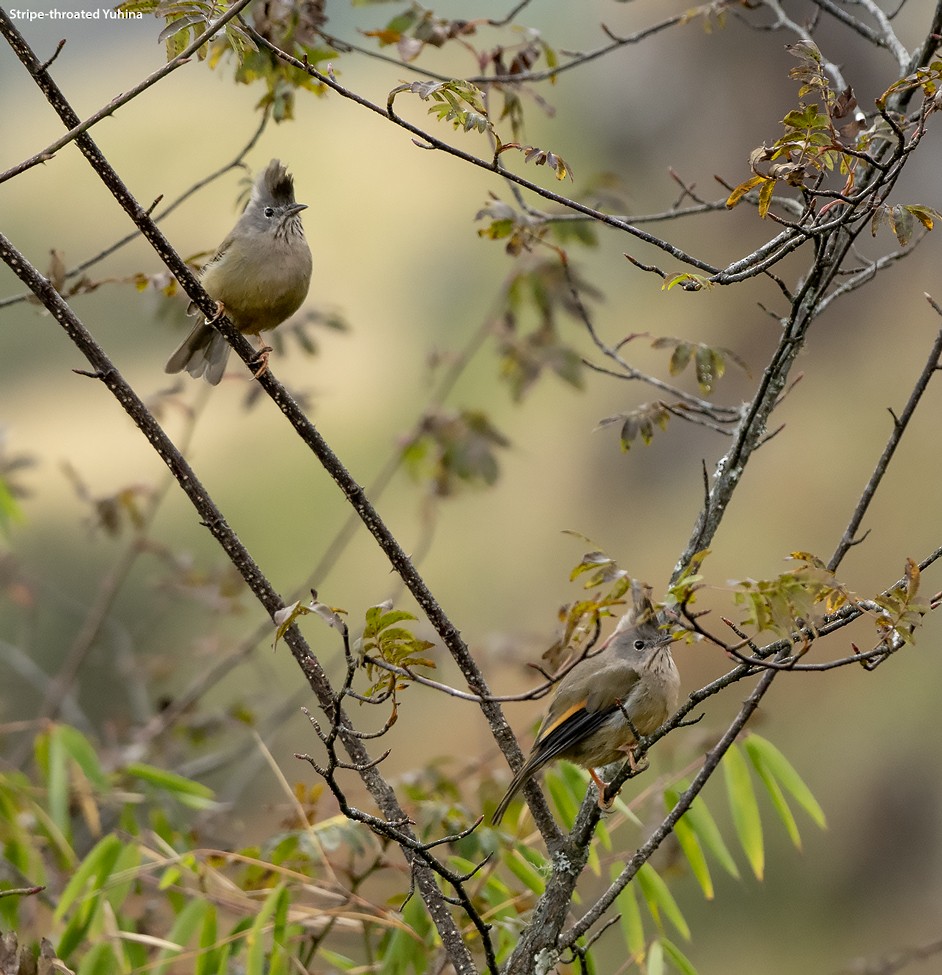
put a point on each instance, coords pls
(397, 254)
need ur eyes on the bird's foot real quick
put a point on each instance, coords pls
(604, 803)
(261, 360)
(220, 311)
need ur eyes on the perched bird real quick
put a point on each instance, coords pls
(259, 276)
(634, 674)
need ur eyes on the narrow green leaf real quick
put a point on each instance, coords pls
(765, 755)
(255, 939)
(524, 872)
(123, 876)
(185, 925)
(655, 964)
(100, 960)
(57, 781)
(632, 926)
(659, 899)
(83, 753)
(745, 809)
(701, 820)
(224, 968)
(92, 871)
(207, 960)
(75, 931)
(192, 794)
(781, 806)
(567, 790)
(340, 962)
(568, 785)
(694, 853)
(677, 958)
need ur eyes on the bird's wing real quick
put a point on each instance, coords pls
(612, 687)
(220, 250)
(565, 730)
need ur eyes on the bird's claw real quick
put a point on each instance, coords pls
(261, 360)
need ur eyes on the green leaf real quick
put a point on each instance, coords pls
(780, 804)
(566, 790)
(677, 958)
(207, 961)
(123, 876)
(745, 809)
(521, 868)
(689, 843)
(255, 939)
(701, 820)
(188, 793)
(100, 960)
(340, 962)
(57, 781)
(655, 964)
(631, 925)
(83, 753)
(92, 872)
(185, 925)
(659, 899)
(10, 511)
(765, 755)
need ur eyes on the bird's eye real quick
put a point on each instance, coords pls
(269, 212)
(639, 644)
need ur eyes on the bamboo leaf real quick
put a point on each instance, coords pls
(659, 899)
(701, 820)
(255, 955)
(91, 872)
(190, 918)
(677, 958)
(745, 809)
(632, 926)
(689, 843)
(525, 873)
(655, 964)
(207, 960)
(764, 752)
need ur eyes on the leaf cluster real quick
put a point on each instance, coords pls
(385, 640)
(640, 422)
(101, 842)
(453, 449)
(794, 598)
(815, 133)
(456, 101)
(902, 612)
(581, 619)
(414, 28)
(542, 290)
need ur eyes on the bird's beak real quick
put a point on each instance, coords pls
(295, 208)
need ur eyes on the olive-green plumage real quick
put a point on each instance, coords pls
(634, 672)
(260, 274)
